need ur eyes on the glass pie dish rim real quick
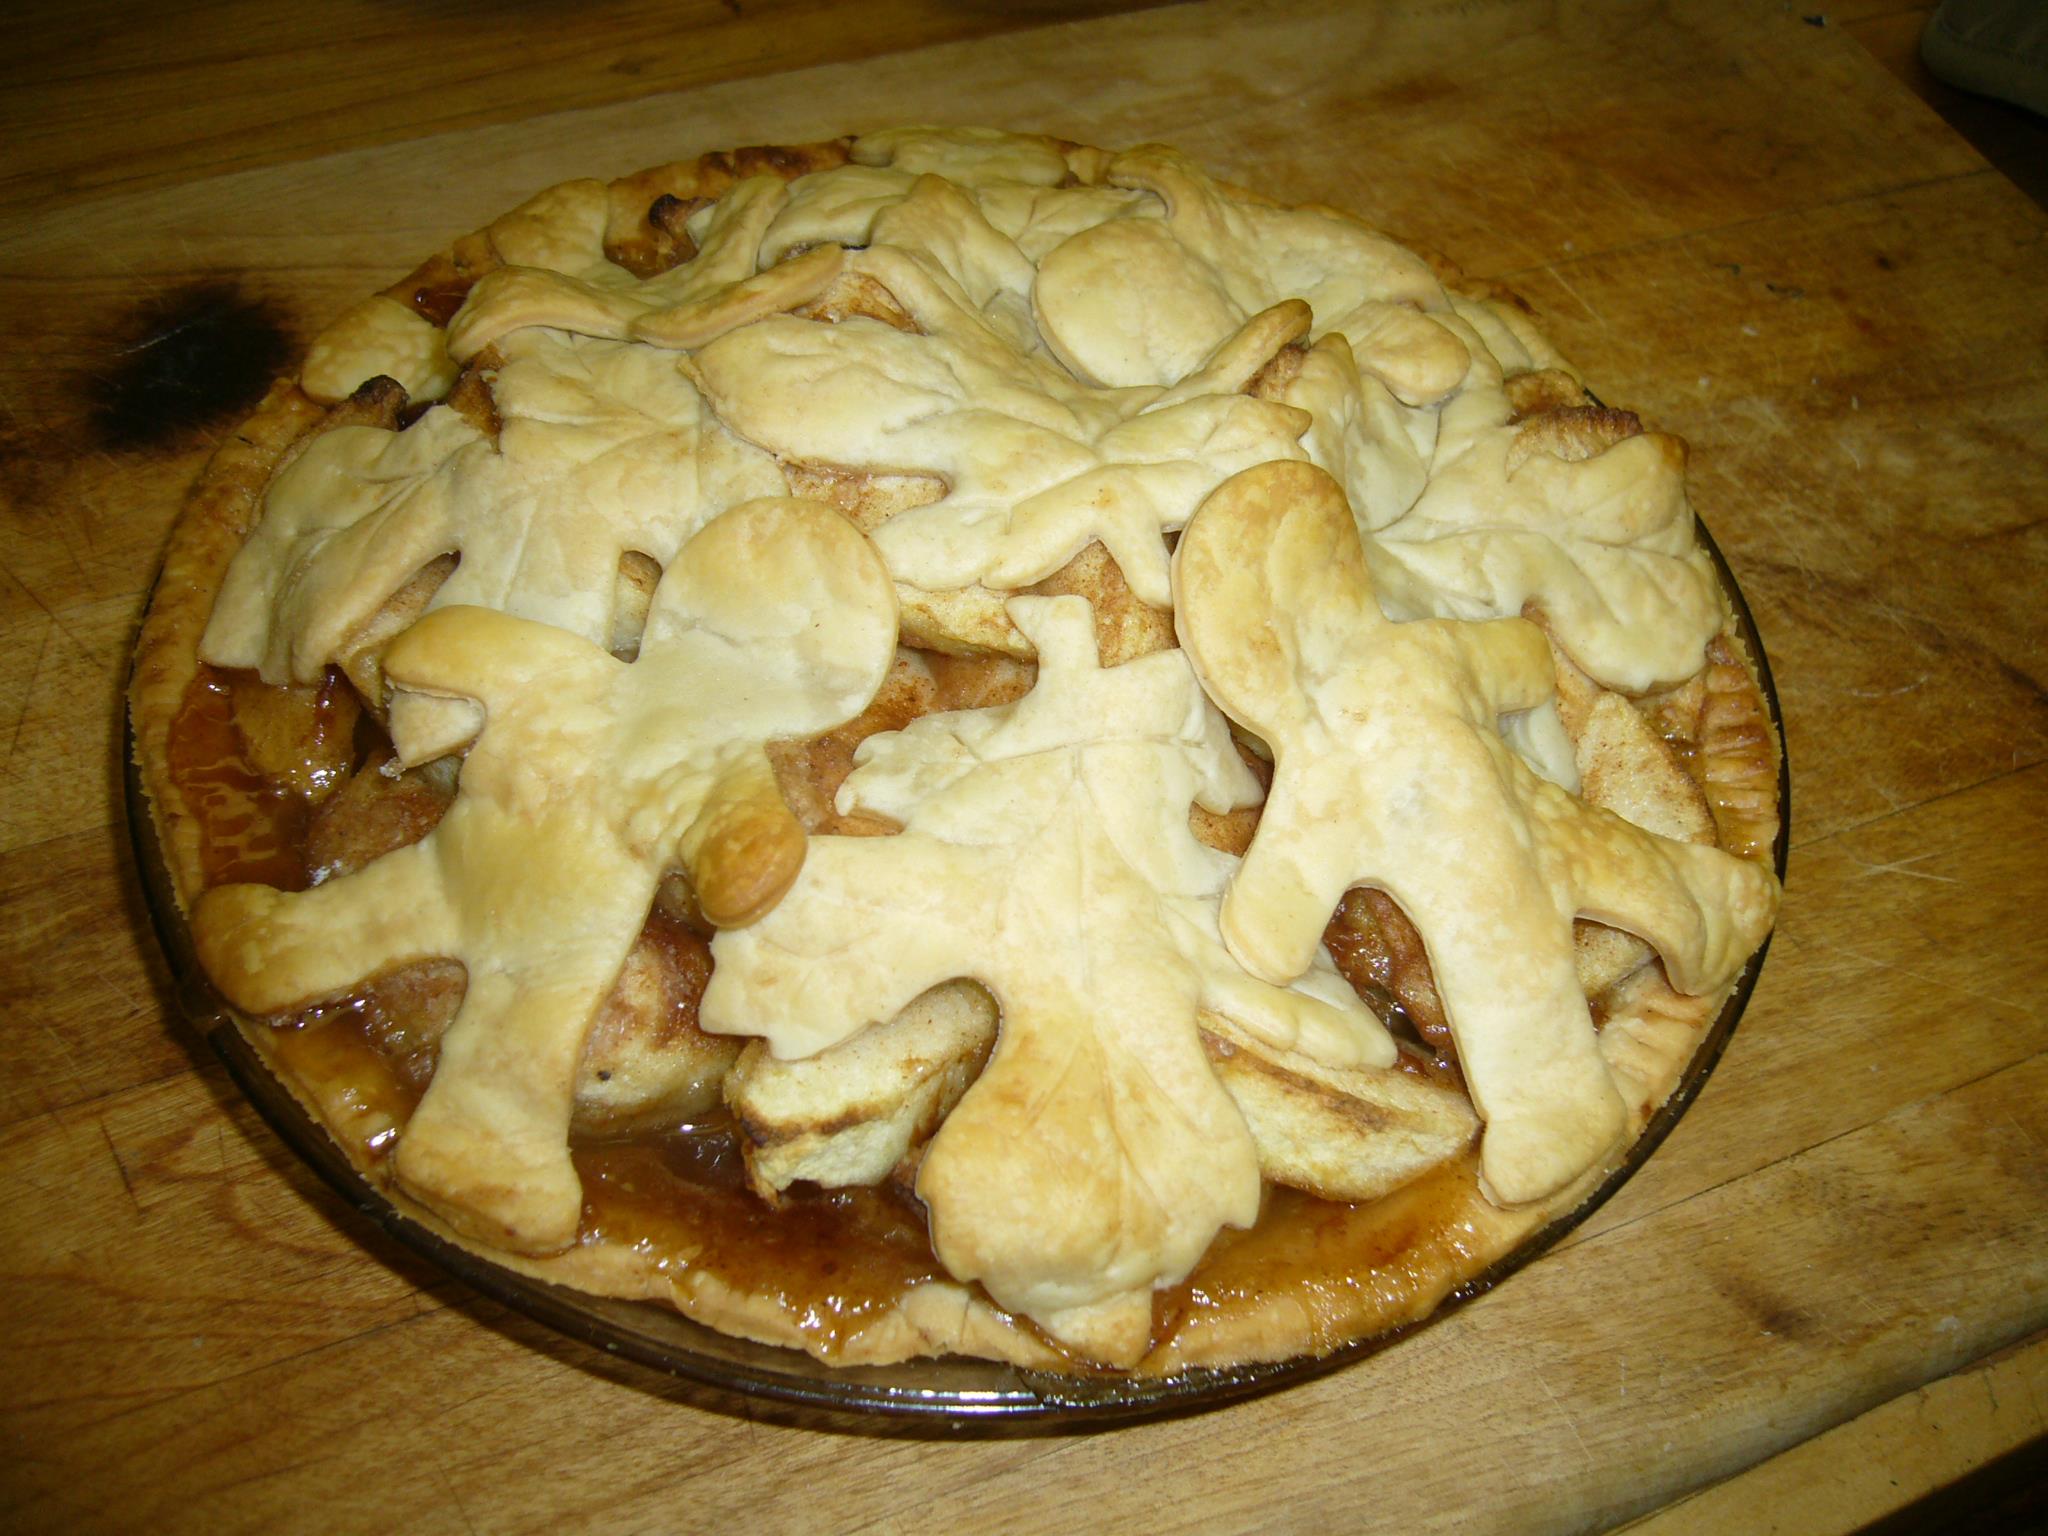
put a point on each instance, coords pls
(946, 1390)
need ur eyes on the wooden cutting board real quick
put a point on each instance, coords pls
(1735, 223)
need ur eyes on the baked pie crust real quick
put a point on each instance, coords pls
(953, 742)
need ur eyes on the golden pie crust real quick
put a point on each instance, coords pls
(1281, 380)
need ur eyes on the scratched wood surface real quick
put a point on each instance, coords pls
(238, 83)
(1736, 222)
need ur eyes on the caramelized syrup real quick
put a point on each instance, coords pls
(1351, 1269)
(250, 828)
(831, 1259)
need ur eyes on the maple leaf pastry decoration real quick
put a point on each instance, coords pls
(1035, 462)
(599, 447)
(775, 620)
(1390, 770)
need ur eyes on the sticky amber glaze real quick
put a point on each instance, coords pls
(831, 1260)
(1346, 1270)
(250, 827)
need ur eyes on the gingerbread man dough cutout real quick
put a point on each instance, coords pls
(1390, 771)
(776, 620)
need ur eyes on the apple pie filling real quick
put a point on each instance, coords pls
(951, 742)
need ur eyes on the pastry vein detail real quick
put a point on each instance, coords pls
(602, 448)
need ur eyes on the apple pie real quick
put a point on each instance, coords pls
(950, 742)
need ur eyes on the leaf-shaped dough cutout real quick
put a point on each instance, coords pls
(603, 448)
(1216, 260)
(566, 284)
(1036, 465)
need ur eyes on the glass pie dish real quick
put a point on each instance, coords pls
(945, 746)
(943, 1392)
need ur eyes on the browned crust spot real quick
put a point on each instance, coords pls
(1573, 433)
(1739, 753)
(1543, 389)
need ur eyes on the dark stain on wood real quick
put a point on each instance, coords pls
(1417, 91)
(1773, 1315)
(196, 355)
(2030, 689)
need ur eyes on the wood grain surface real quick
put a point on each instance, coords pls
(1736, 222)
